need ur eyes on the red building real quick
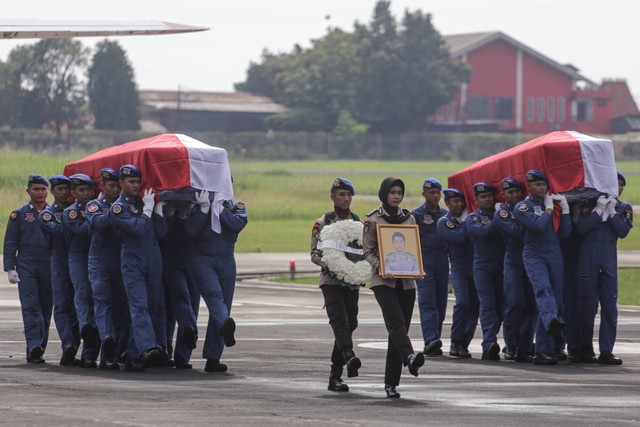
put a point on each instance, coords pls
(514, 88)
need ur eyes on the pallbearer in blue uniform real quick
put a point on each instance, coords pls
(214, 268)
(141, 270)
(601, 223)
(64, 311)
(433, 290)
(110, 301)
(27, 261)
(488, 260)
(75, 223)
(542, 258)
(519, 302)
(452, 229)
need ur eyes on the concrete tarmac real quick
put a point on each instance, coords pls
(278, 374)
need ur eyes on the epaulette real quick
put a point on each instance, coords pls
(376, 210)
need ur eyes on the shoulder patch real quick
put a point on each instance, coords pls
(523, 207)
(450, 224)
(93, 208)
(117, 209)
(475, 218)
(367, 225)
(73, 214)
(13, 216)
(46, 216)
(504, 214)
(316, 229)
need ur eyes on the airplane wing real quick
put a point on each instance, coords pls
(51, 29)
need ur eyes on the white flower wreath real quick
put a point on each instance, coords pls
(341, 246)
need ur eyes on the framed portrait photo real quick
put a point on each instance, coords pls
(400, 253)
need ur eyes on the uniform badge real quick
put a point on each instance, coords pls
(93, 208)
(29, 217)
(367, 224)
(584, 210)
(73, 214)
(428, 219)
(134, 209)
(504, 214)
(13, 216)
(485, 220)
(523, 207)
(116, 209)
(538, 210)
(450, 224)
(475, 218)
(46, 216)
(240, 205)
(316, 229)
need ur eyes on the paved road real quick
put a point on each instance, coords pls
(278, 376)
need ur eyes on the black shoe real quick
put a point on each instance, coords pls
(433, 348)
(391, 391)
(69, 356)
(89, 334)
(493, 353)
(108, 348)
(88, 363)
(133, 366)
(555, 330)
(184, 366)
(109, 366)
(573, 356)
(464, 352)
(509, 353)
(523, 357)
(588, 356)
(544, 359)
(227, 330)
(151, 357)
(190, 337)
(336, 384)
(414, 362)
(561, 355)
(607, 358)
(214, 366)
(36, 355)
(353, 365)
(454, 350)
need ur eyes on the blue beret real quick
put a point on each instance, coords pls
(37, 179)
(59, 180)
(81, 179)
(535, 175)
(431, 183)
(621, 178)
(109, 174)
(482, 187)
(130, 171)
(342, 184)
(451, 193)
(508, 183)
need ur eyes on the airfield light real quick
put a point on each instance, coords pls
(292, 269)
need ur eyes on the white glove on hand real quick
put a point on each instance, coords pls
(158, 209)
(601, 205)
(548, 202)
(464, 215)
(202, 198)
(562, 201)
(148, 201)
(13, 276)
(498, 206)
(611, 206)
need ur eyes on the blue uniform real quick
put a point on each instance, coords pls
(141, 266)
(214, 268)
(433, 290)
(519, 303)
(598, 271)
(64, 313)
(27, 251)
(465, 311)
(542, 258)
(488, 261)
(570, 259)
(111, 308)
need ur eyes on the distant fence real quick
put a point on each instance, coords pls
(303, 145)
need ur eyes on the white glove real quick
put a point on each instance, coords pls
(148, 201)
(202, 198)
(158, 208)
(497, 206)
(601, 205)
(100, 196)
(13, 276)
(548, 202)
(562, 201)
(464, 215)
(611, 206)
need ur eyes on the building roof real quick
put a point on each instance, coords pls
(621, 99)
(460, 44)
(238, 102)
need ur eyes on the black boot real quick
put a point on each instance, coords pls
(335, 380)
(353, 363)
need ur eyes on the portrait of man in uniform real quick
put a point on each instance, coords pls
(399, 246)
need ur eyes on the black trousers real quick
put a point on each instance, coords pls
(397, 309)
(341, 304)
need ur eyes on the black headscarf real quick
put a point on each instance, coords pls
(395, 214)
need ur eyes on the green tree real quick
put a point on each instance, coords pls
(113, 96)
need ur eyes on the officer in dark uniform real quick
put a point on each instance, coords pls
(340, 298)
(520, 307)
(542, 259)
(64, 311)
(109, 298)
(75, 223)
(214, 268)
(601, 223)
(452, 230)
(433, 290)
(488, 261)
(27, 261)
(141, 265)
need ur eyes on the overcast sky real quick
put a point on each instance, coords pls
(594, 35)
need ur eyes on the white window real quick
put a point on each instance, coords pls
(541, 108)
(531, 109)
(561, 108)
(551, 109)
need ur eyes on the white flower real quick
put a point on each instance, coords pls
(336, 241)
